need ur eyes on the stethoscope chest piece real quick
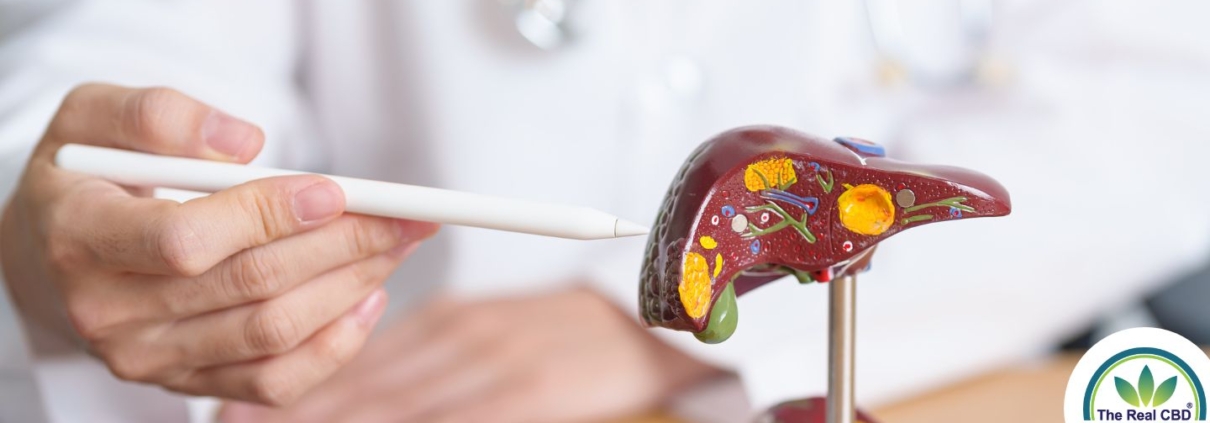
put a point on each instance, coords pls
(544, 23)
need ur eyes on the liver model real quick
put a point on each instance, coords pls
(755, 204)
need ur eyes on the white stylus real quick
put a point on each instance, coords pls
(362, 196)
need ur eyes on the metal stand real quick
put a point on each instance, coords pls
(842, 310)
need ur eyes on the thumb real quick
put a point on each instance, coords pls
(152, 120)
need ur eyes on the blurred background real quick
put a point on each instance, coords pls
(1092, 113)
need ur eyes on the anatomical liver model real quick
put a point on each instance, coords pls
(755, 204)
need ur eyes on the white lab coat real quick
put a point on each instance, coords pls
(1099, 125)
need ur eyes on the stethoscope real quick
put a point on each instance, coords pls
(543, 23)
(546, 25)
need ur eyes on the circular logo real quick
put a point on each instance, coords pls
(1140, 374)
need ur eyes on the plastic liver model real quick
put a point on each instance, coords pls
(805, 410)
(758, 203)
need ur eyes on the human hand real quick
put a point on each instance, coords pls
(257, 292)
(561, 357)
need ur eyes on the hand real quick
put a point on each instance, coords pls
(257, 292)
(568, 356)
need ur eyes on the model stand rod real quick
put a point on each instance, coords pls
(842, 311)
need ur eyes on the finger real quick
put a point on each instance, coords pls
(446, 343)
(511, 404)
(443, 344)
(330, 401)
(153, 120)
(244, 333)
(279, 380)
(456, 384)
(187, 239)
(411, 331)
(282, 323)
(267, 271)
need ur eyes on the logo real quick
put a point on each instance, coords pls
(1140, 374)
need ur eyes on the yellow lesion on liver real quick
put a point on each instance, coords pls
(718, 264)
(695, 287)
(866, 209)
(770, 173)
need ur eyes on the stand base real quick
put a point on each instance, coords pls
(810, 410)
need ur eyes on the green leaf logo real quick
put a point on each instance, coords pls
(1164, 392)
(1146, 386)
(1126, 391)
(1147, 393)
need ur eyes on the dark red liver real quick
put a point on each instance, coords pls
(716, 190)
(811, 410)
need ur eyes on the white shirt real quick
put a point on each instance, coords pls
(1100, 122)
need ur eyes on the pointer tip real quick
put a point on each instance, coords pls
(623, 228)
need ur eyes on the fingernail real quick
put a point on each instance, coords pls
(319, 201)
(403, 250)
(401, 230)
(416, 231)
(370, 309)
(226, 134)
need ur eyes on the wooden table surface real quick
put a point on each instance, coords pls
(654, 418)
(1026, 393)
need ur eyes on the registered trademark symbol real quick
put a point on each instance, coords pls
(1189, 405)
